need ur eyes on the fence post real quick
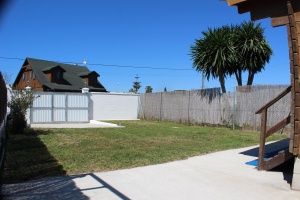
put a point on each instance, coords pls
(263, 130)
(189, 107)
(234, 109)
(160, 109)
(52, 107)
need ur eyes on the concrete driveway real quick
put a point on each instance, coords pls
(220, 175)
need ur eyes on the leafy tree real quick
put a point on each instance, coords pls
(149, 89)
(20, 101)
(165, 89)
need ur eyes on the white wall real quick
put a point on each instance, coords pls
(114, 106)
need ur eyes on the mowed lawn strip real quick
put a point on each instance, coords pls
(52, 152)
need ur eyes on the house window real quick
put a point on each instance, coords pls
(58, 75)
(32, 75)
(24, 76)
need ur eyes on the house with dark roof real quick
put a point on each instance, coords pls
(43, 75)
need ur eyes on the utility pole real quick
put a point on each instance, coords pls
(137, 77)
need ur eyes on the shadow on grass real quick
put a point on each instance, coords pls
(27, 158)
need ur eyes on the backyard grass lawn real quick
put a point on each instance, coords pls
(51, 152)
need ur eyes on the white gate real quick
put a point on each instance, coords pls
(59, 107)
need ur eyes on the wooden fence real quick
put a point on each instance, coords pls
(209, 107)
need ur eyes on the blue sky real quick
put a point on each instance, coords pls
(127, 38)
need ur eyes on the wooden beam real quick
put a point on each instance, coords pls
(278, 126)
(295, 141)
(279, 21)
(295, 151)
(263, 9)
(282, 157)
(262, 143)
(268, 8)
(260, 9)
(298, 138)
(234, 2)
(244, 7)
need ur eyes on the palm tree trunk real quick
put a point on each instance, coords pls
(250, 78)
(222, 81)
(238, 76)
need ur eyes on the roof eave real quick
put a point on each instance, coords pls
(19, 74)
(234, 2)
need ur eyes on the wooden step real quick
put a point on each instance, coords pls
(281, 157)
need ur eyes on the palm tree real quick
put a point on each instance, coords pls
(212, 54)
(231, 50)
(252, 47)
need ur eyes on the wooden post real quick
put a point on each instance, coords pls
(263, 131)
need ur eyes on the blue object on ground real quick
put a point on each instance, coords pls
(267, 155)
(254, 162)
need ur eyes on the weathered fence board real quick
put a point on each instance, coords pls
(230, 109)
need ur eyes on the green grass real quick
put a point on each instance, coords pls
(52, 152)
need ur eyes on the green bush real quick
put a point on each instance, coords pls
(20, 101)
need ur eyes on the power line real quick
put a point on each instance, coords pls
(113, 65)
(10, 58)
(157, 68)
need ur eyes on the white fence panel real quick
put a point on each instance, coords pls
(78, 100)
(43, 101)
(114, 106)
(77, 115)
(57, 107)
(41, 111)
(59, 100)
(59, 114)
(41, 115)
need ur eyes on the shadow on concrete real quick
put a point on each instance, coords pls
(63, 187)
(109, 187)
(50, 188)
(287, 169)
(271, 150)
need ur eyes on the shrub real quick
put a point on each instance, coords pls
(20, 101)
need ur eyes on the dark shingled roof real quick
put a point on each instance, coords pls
(71, 75)
(87, 73)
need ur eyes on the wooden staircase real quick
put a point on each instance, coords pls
(283, 155)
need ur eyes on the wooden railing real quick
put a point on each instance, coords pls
(264, 133)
